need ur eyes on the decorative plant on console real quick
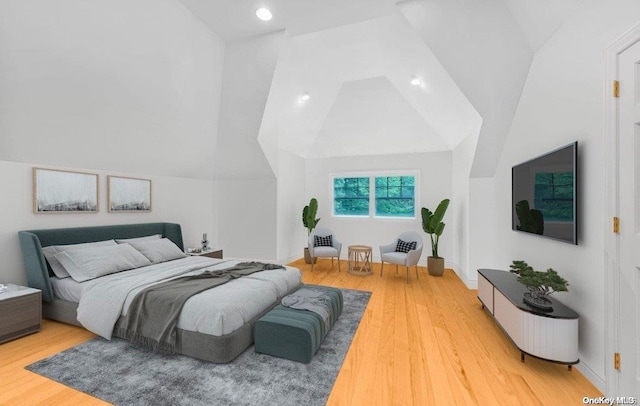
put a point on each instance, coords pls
(540, 284)
(310, 221)
(432, 224)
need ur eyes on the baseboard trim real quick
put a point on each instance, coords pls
(469, 283)
(290, 259)
(594, 378)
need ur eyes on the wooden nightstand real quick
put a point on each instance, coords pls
(20, 312)
(211, 253)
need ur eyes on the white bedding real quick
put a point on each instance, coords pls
(217, 311)
(66, 289)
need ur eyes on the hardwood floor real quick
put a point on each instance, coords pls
(422, 343)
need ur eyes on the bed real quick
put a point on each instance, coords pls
(219, 333)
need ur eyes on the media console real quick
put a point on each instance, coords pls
(548, 335)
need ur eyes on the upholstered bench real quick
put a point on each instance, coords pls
(295, 334)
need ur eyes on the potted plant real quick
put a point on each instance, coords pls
(539, 284)
(432, 224)
(310, 221)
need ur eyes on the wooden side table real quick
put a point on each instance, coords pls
(360, 260)
(209, 253)
(20, 312)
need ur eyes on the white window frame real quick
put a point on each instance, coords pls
(372, 175)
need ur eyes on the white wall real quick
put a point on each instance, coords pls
(246, 188)
(562, 102)
(292, 237)
(246, 218)
(483, 247)
(434, 184)
(184, 201)
(126, 84)
(459, 208)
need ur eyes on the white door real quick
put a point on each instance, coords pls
(629, 201)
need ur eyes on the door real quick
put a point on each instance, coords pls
(629, 206)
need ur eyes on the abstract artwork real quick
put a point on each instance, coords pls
(56, 191)
(129, 194)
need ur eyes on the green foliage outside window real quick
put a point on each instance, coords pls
(351, 196)
(395, 196)
(553, 196)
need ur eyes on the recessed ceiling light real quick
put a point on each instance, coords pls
(264, 14)
(416, 81)
(304, 97)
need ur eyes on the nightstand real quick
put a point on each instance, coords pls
(210, 253)
(20, 312)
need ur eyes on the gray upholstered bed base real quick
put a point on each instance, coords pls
(218, 349)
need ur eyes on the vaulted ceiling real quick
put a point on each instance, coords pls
(362, 102)
(356, 60)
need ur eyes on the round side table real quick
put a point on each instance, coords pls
(360, 260)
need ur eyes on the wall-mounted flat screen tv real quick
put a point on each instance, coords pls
(544, 195)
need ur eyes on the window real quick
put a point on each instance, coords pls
(394, 196)
(554, 195)
(351, 196)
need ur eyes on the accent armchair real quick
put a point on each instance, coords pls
(323, 244)
(402, 252)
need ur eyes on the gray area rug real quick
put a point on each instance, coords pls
(121, 373)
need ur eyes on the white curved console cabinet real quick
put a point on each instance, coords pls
(549, 335)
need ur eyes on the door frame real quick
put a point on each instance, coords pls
(612, 207)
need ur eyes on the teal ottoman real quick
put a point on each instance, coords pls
(295, 334)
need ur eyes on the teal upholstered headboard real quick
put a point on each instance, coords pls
(32, 242)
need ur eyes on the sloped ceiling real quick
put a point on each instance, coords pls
(356, 60)
(357, 69)
(368, 114)
(234, 20)
(541, 18)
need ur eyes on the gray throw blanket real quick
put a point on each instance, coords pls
(312, 299)
(153, 313)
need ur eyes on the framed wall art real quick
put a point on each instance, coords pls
(128, 194)
(56, 191)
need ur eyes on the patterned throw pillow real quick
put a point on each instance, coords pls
(322, 241)
(405, 246)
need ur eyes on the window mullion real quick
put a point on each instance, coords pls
(372, 200)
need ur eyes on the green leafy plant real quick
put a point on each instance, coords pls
(531, 220)
(309, 215)
(540, 284)
(432, 224)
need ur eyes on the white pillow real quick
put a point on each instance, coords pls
(93, 262)
(147, 238)
(56, 266)
(158, 250)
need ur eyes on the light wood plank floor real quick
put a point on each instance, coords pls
(427, 342)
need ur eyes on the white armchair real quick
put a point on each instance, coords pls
(389, 254)
(319, 251)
